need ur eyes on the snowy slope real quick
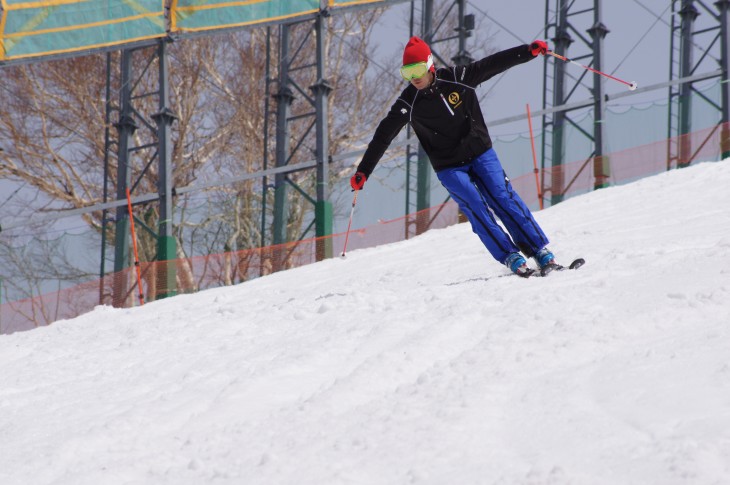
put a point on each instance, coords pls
(415, 362)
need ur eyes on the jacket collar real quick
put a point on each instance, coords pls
(434, 89)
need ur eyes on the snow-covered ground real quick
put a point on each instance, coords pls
(416, 362)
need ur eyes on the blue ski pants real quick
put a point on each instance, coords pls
(483, 185)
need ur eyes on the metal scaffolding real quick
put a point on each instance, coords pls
(564, 20)
(157, 128)
(317, 115)
(288, 92)
(699, 39)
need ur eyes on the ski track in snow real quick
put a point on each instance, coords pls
(415, 362)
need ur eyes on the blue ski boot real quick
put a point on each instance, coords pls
(544, 257)
(517, 264)
(545, 260)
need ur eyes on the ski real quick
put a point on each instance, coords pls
(526, 272)
(529, 272)
(558, 267)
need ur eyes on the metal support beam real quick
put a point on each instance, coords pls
(166, 243)
(321, 90)
(723, 7)
(690, 35)
(572, 16)
(289, 81)
(688, 14)
(264, 177)
(126, 128)
(423, 171)
(601, 166)
(142, 138)
(107, 155)
(284, 98)
(562, 41)
(466, 25)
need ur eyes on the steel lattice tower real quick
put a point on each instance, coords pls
(700, 40)
(564, 22)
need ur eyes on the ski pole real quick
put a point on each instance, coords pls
(632, 85)
(347, 235)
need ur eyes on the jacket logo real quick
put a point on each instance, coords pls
(454, 99)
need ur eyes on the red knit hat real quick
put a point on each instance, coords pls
(418, 51)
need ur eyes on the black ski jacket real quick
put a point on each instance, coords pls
(446, 116)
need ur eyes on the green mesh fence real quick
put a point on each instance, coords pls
(31, 29)
(197, 15)
(204, 272)
(348, 3)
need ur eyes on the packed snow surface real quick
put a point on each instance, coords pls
(418, 362)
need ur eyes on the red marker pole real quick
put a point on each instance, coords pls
(534, 157)
(134, 244)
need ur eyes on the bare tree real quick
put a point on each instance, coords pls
(35, 264)
(52, 119)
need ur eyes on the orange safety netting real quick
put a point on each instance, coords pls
(626, 166)
(204, 272)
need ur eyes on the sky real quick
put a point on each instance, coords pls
(636, 49)
(422, 362)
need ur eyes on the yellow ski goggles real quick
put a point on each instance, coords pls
(414, 71)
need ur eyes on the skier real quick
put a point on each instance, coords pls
(443, 108)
